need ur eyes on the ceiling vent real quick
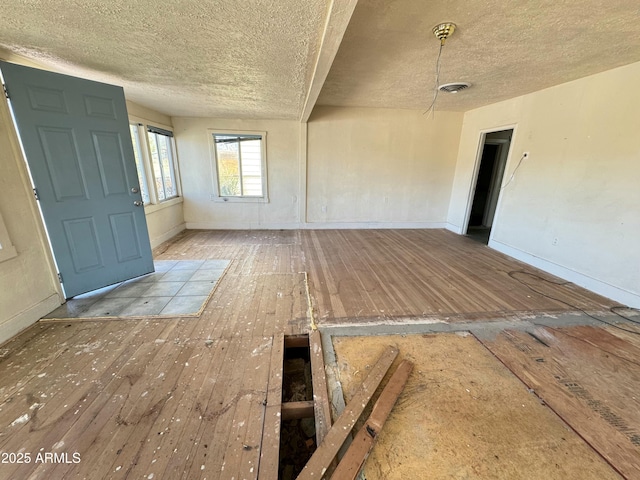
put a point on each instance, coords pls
(454, 87)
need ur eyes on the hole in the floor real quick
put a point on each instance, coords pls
(298, 431)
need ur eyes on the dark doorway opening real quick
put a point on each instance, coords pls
(495, 150)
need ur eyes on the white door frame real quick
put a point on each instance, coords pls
(476, 170)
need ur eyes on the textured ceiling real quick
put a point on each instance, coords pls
(224, 58)
(258, 58)
(504, 48)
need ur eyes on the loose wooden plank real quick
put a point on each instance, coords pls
(351, 464)
(327, 450)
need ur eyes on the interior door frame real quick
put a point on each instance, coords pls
(497, 175)
(476, 170)
(27, 183)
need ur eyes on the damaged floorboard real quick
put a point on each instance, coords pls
(200, 398)
(589, 377)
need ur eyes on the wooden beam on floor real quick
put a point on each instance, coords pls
(363, 443)
(296, 341)
(335, 438)
(297, 410)
(322, 408)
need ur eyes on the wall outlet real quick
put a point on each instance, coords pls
(212, 197)
(555, 241)
(324, 209)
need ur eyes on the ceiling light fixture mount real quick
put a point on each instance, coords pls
(442, 31)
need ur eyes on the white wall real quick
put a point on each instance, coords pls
(197, 167)
(380, 167)
(573, 207)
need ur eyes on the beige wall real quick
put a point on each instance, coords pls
(164, 220)
(355, 168)
(192, 139)
(380, 167)
(573, 207)
(28, 285)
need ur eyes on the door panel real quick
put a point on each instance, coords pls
(110, 156)
(75, 135)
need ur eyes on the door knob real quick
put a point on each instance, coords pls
(137, 203)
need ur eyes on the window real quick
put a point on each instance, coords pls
(161, 150)
(156, 163)
(137, 151)
(240, 165)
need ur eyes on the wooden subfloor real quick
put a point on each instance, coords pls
(190, 397)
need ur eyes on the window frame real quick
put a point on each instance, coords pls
(173, 174)
(142, 179)
(155, 203)
(217, 197)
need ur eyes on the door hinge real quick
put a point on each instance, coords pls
(35, 194)
(4, 89)
(60, 277)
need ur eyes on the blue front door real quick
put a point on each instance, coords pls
(75, 135)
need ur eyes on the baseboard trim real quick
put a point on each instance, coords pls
(28, 317)
(371, 225)
(597, 286)
(167, 235)
(313, 225)
(454, 228)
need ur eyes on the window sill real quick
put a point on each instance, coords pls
(217, 199)
(154, 207)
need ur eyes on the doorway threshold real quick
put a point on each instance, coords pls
(479, 234)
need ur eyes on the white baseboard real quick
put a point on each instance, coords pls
(454, 228)
(370, 225)
(618, 294)
(312, 225)
(167, 235)
(241, 226)
(28, 317)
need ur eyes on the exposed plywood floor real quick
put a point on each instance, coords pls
(184, 397)
(590, 377)
(463, 415)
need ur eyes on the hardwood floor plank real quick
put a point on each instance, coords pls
(382, 274)
(242, 456)
(270, 441)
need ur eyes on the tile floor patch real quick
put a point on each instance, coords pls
(177, 287)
